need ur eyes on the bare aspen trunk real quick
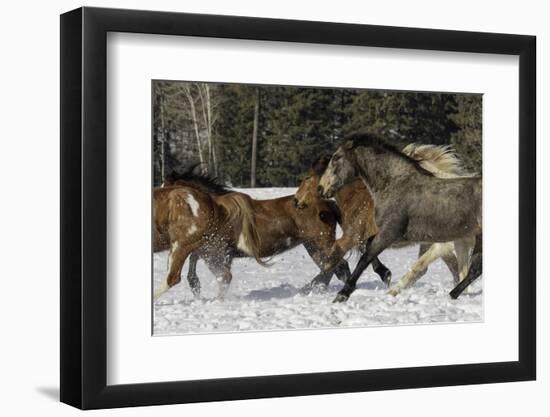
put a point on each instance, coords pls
(206, 105)
(195, 125)
(162, 138)
(203, 107)
(255, 139)
(209, 128)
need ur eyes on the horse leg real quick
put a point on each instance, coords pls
(225, 281)
(473, 274)
(342, 271)
(422, 249)
(192, 277)
(219, 263)
(420, 267)
(452, 264)
(221, 268)
(382, 270)
(322, 280)
(463, 251)
(331, 264)
(375, 245)
(345, 243)
(178, 255)
(335, 260)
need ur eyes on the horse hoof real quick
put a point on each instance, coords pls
(340, 298)
(319, 289)
(306, 289)
(393, 292)
(387, 278)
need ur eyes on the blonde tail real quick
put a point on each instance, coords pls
(441, 161)
(249, 239)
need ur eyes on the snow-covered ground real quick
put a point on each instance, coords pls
(268, 298)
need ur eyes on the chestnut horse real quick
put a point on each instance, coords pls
(228, 224)
(192, 219)
(357, 209)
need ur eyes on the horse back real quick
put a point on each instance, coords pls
(443, 209)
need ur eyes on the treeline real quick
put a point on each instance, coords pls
(249, 135)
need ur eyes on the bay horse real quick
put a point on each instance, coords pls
(412, 204)
(274, 226)
(356, 218)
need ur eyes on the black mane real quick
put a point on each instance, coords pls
(203, 182)
(320, 164)
(376, 142)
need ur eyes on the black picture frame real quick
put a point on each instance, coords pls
(84, 207)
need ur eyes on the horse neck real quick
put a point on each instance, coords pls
(347, 192)
(384, 170)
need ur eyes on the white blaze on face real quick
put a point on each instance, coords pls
(192, 230)
(193, 204)
(327, 180)
(288, 241)
(242, 245)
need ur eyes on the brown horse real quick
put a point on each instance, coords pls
(193, 219)
(217, 225)
(357, 209)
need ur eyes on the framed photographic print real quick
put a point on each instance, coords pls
(257, 208)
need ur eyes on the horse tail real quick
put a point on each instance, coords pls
(440, 160)
(161, 240)
(249, 239)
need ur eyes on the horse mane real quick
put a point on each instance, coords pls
(440, 160)
(376, 142)
(320, 164)
(203, 182)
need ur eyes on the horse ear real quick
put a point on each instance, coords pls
(348, 145)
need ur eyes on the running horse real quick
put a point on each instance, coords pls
(412, 204)
(201, 218)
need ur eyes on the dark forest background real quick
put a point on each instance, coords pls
(267, 136)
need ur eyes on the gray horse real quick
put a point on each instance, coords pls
(412, 205)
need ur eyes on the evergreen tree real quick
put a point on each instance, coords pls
(214, 124)
(467, 139)
(404, 117)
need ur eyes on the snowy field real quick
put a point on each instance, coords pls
(261, 298)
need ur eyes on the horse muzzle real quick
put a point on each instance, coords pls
(324, 193)
(299, 205)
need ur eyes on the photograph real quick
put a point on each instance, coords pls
(298, 207)
(282, 207)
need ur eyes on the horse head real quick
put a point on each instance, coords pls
(307, 194)
(339, 171)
